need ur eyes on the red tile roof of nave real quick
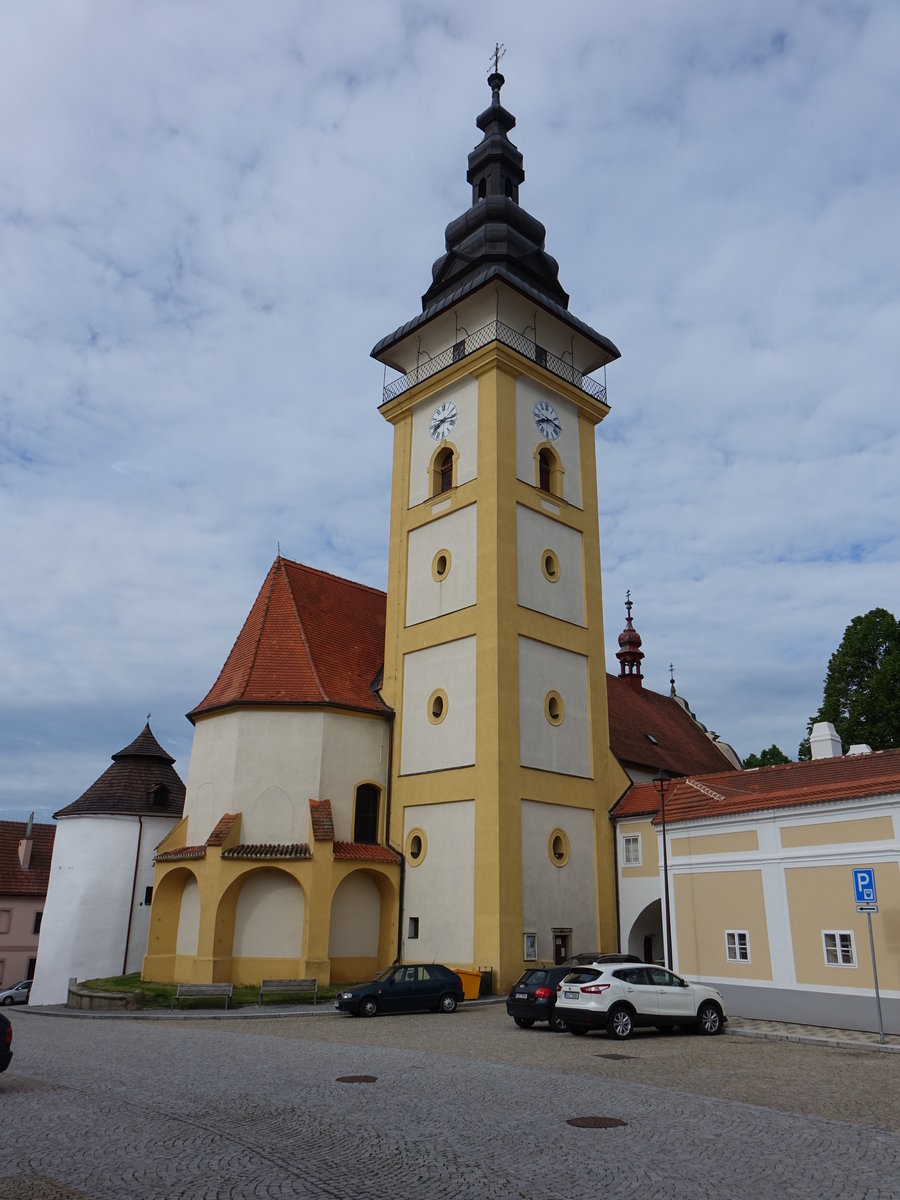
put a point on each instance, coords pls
(322, 820)
(682, 746)
(364, 852)
(13, 880)
(725, 793)
(310, 638)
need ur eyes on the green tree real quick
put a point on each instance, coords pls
(862, 687)
(766, 758)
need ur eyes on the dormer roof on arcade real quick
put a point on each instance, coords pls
(495, 240)
(311, 639)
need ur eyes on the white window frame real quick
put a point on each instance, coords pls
(737, 945)
(838, 949)
(630, 840)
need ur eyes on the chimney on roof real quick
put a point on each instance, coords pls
(824, 741)
(26, 845)
(629, 653)
(860, 748)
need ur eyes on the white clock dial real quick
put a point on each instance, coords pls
(443, 420)
(547, 420)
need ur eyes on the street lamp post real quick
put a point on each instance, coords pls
(661, 778)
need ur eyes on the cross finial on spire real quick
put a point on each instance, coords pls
(671, 679)
(148, 718)
(499, 51)
(628, 602)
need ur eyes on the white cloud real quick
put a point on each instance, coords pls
(210, 214)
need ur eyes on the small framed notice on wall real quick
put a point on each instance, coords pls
(530, 954)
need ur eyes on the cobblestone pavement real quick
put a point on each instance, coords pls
(462, 1106)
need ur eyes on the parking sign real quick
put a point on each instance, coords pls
(864, 885)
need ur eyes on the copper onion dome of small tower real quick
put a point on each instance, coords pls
(629, 653)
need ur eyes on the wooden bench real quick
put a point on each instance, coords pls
(192, 991)
(289, 986)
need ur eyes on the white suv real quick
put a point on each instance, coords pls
(618, 997)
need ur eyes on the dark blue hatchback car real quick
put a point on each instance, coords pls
(404, 989)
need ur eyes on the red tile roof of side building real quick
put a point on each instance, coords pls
(790, 785)
(681, 745)
(14, 881)
(310, 639)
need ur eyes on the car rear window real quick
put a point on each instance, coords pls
(582, 975)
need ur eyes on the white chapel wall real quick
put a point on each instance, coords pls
(355, 918)
(85, 922)
(267, 764)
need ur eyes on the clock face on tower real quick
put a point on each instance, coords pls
(547, 420)
(443, 420)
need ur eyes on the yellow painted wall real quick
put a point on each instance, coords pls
(706, 904)
(715, 843)
(649, 868)
(821, 898)
(838, 833)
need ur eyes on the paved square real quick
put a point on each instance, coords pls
(461, 1106)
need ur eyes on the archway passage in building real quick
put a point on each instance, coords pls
(645, 937)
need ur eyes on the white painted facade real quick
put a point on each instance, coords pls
(268, 922)
(463, 437)
(95, 920)
(563, 748)
(455, 535)
(355, 918)
(426, 744)
(528, 393)
(440, 889)
(562, 596)
(268, 763)
(558, 896)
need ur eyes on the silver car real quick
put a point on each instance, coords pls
(17, 994)
(618, 997)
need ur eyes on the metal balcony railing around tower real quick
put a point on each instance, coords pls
(496, 331)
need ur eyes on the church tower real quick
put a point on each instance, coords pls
(494, 660)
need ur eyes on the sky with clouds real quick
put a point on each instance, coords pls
(209, 214)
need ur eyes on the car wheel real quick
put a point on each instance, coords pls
(577, 1030)
(6, 1000)
(524, 1022)
(448, 1002)
(620, 1023)
(368, 1007)
(709, 1018)
(557, 1023)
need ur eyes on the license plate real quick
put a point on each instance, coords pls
(521, 995)
(570, 995)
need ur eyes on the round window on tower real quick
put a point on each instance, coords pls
(437, 706)
(550, 566)
(440, 566)
(558, 847)
(554, 709)
(416, 846)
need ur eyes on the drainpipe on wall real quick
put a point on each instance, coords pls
(387, 837)
(137, 859)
